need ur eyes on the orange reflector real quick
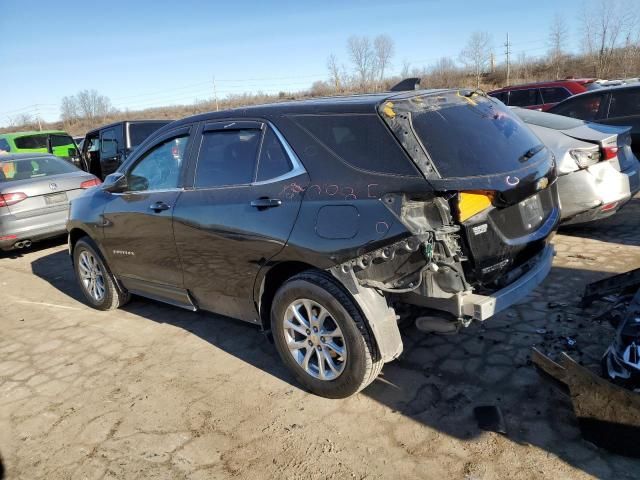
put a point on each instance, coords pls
(471, 203)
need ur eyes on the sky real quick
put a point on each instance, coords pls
(144, 53)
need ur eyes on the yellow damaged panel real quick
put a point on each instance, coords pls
(388, 110)
(471, 203)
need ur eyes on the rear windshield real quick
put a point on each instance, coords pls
(24, 169)
(465, 134)
(138, 132)
(548, 120)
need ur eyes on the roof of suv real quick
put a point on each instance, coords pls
(365, 103)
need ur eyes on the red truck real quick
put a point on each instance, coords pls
(542, 95)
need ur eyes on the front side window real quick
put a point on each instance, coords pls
(584, 108)
(227, 157)
(554, 94)
(109, 144)
(58, 140)
(524, 98)
(625, 103)
(274, 160)
(159, 169)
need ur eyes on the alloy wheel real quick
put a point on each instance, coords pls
(91, 275)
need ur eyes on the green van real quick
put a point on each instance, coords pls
(57, 142)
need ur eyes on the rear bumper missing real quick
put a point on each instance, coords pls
(481, 307)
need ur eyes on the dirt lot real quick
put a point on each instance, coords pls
(152, 391)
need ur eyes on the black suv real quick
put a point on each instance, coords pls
(313, 219)
(105, 148)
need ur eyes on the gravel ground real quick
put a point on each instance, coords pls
(152, 391)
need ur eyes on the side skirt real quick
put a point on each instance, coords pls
(175, 296)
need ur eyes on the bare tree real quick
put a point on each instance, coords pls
(69, 109)
(363, 58)
(603, 24)
(406, 68)
(443, 74)
(335, 73)
(477, 55)
(558, 36)
(92, 105)
(25, 121)
(384, 50)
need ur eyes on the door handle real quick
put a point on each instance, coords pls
(264, 202)
(159, 206)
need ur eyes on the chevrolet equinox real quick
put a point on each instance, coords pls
(315, 218)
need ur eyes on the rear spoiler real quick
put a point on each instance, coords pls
(406, 84)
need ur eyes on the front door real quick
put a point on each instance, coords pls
(138, 233)
(247, 192)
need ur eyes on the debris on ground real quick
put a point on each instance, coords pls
(608, 415)
(490, 419)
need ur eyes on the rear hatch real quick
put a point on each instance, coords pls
(497, 176)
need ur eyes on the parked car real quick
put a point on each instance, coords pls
(597, 170)
(610, 106)
(105, 148)
(35, 190)
(56, 142)
(542, 95)
(310, 218)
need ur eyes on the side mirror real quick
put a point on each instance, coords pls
(115, 183)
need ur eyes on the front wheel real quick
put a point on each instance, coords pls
(322, 337)
(95, 279)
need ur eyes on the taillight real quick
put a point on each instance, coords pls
(586, 157)
(473, 202)
(90, 183)
(7, 199)
(609, 153)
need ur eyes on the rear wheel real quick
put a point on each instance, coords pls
(95, 279)
(322, 337)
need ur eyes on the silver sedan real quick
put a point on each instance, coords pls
(597, 171)
(35, 191)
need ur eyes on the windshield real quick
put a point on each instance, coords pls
(138, 132)
(548, 120)
(26, 168)
(464, 133)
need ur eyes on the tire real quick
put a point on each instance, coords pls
(112, 297)
(356, 369)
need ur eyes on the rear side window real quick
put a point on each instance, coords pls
(554, 94)
(584, 108)
(625, 103)
(31, 141)
(25, 169)
(139, 132)
(61, 141)
(4, 145)
(362, 141)
(454, 129)
(227, 157)
(274, 161)
(502, 96)
(524, 98)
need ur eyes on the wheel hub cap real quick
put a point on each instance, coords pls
(314, 339)
(91, 275)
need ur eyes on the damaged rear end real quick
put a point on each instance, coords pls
(480, 237)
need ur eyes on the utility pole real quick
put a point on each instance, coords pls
(507, 52)
(38, 117)
(493, 62)
(215, 93)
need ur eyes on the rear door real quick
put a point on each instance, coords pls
(138, 233)
(247, 191)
